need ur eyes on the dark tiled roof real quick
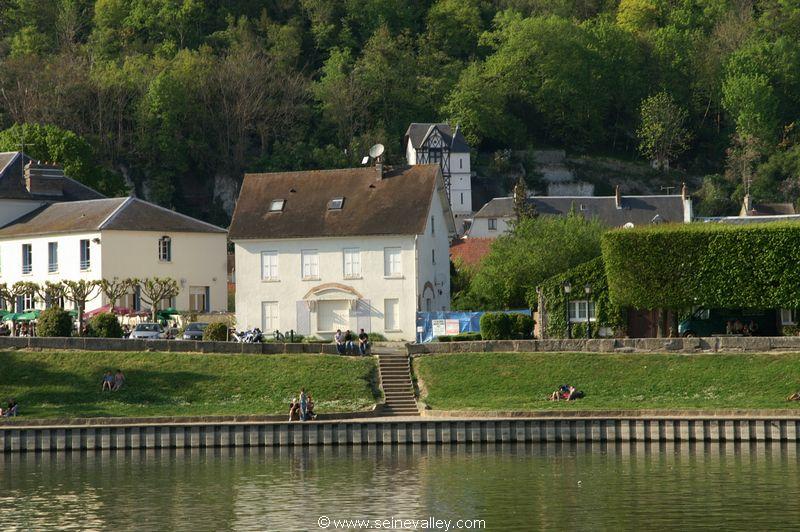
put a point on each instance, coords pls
(418, 132)
(12, 185)
(750, 219)
(638, 210)
(772, 209)
(398, 204)
(470, 251)
(119, 214)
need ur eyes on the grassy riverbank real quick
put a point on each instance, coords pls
(68, 384)
(522, 381)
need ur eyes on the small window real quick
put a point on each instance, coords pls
(462, 198)
(165, 249)
(27, 259)
(52, 257)
(579, 311)
(310, 263)
(277, 205)
(86, 258)
(392, 266)
(269, 265)
(433, 256)
(352, 263)
(336, 204)
(492, 224)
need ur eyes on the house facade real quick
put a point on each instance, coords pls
(497, 216)
(427, 143)
(359, 248)
(116, 237)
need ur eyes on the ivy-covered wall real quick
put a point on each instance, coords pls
(591, 272)
(707, 265)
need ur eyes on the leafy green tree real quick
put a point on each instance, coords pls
(54, 321)
(80, 292)
(536, 249)
(454, 26)
(753, 105)
(662, 132)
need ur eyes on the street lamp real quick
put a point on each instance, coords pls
(588, 290)
(567, 289)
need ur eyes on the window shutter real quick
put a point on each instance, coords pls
(363, 316)
(303, 318)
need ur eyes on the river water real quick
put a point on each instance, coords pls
(508, 487)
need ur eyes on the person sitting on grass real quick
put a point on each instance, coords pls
(11, 411)
(294, 408)
(310, 409)
(566, 392)
(119, 380)
(108, 381)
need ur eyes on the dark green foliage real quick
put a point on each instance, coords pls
(495, 326)
(375, 337)
(593, 273)
(522, 326)
(54, 321)
(104, 325)
(216, 332)
(710, 265)
(460, 337)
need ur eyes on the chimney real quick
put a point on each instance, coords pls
(684, 192)
(44, 179)
(747, 206)
(618, 198)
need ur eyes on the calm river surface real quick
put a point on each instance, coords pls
(510, 487)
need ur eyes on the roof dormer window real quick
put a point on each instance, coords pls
(336, 204)
(277, 205)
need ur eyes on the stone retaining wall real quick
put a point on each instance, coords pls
(721, 344)
(178, 436)
(184, 346)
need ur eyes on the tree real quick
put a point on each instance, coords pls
(9, 294)
(116, 288)
(536, 249)
(80, 292)
(54, 321)
(51, 293)
(662, 133)
(454, 26)
(24, 288)
(156, 289)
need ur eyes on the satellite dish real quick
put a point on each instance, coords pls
(376, 151)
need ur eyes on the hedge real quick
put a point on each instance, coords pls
(505, 326)
(460, 337)
(706, 265)
(593, 273)
(104, 325)
(216, 332)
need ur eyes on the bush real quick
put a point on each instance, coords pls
(105, 325)
(496, 326)
(54, 322)
(376, 337)
(216, 332)
(791, 330)
(522, 326)
(460, 337)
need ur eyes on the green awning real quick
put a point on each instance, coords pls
(28, 316)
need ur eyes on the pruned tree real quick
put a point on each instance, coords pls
(9, 293)
(662, 132)
(116, 288)
(79, 292)
(156, 289)
(51, 293)
(24, 288)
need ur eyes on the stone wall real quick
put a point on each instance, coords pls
(721, 344)
(206, 435)
(185, 346)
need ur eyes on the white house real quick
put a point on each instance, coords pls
(116, 237)
(496, 217)
(355, 248)
(26, 185)
(440, 144)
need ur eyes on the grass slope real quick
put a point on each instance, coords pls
(522, 381)
(68, 384)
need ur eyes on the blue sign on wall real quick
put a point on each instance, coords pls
(439, 323)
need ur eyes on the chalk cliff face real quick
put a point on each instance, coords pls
(226, 190)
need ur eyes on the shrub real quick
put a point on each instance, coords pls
(791, 330)
(54, 322)
(522, 326)
(376, 337)
(496, 326)
(105, 325)
(460, 337)
(444, 338)
(216, 332)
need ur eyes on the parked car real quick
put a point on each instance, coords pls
(148, 331)
(194, 331)
(709, 322)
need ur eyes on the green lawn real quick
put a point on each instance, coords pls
(68, 384)
(522, 381)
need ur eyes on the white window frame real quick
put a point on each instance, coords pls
(277, 205)
(578, 310)
(395, 327)
(165, 249)
(85, 254)
(274, 320)
(52, 252)
(27, 253)
(198, 293)
(269, 267)
(788, 316)
(351, 263)
(309, 264)
(28, 302)
(393, 262)
(492, 222)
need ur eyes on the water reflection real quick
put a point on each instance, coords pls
(512, 487)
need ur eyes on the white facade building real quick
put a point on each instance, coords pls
(117, 237)
(439, 144)
(342, 249)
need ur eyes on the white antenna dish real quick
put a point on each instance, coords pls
(376, 151)
(365, 160)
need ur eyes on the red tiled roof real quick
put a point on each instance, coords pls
(470, 251)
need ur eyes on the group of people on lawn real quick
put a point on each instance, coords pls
(302, 408)
(113, 382)
(345, 342)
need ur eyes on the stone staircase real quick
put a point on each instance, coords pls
(395, 374)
